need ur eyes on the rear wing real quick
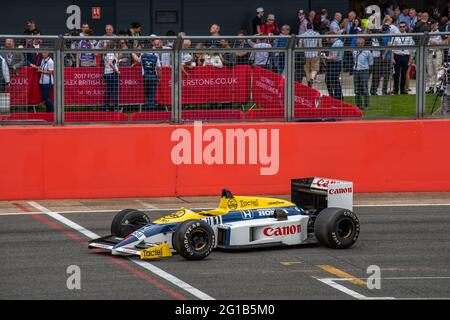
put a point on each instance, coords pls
(316, 194)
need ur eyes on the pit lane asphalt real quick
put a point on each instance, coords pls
(408, 242)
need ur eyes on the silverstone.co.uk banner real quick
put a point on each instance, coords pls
(201, 85)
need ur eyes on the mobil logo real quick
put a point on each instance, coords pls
(282, 231)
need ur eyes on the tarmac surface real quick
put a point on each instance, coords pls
(406, 236)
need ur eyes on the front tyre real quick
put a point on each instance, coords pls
(127, 221)
(194, 239)
(337, 228)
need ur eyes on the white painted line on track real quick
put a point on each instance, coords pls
(331, 282)
(64, 220)
(148, 266)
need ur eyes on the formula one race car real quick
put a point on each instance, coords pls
(321, 210)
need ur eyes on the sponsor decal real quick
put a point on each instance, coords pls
(177, 214)
(232, 204)
(138, 234)
(274, 203)
(324, 183)
(159, 251)
(247, 214)
(248, 203)
(265, 212)
(341, 191)
(282, 231)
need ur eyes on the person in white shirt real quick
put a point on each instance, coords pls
(111, 76)
(435, 58)
(46, 80)
(260, 58)
(4, 74)
(312, 59)
(402, 59)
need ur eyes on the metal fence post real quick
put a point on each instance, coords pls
(58, 86)
(289, 92)
(177, 80)
(420, 77)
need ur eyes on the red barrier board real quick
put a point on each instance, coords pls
(201, 85)
(137, 161)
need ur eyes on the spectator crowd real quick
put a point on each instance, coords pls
(320, 34)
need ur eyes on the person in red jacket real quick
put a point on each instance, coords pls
(270, 27)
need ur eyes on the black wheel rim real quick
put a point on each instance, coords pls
(345, 229)
(199, 239)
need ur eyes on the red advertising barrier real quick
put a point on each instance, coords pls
(24, 89)
(144, 160)
(85, 86)
(201, 85)
(268, 91)
(209, 84)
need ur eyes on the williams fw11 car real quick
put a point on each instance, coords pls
(320, 211)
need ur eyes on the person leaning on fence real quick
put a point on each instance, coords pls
(111, 75)
(434, 58)
(151, 69)
(270, 27)
(14, 60)
(401, 59)
(334, 60)
(46, 80)
(362, 62)
(312, 59)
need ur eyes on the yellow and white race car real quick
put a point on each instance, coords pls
(320, 210)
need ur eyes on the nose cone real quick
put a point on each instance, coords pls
(129, 241)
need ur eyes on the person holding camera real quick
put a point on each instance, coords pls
(111, 76)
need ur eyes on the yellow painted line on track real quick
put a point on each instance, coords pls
(342, 274)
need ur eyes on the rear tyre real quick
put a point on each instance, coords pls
(128, 221)
(194, 239)
(337, 228)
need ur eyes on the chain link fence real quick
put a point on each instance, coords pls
(62, 80)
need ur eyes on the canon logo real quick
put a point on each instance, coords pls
(341, 190)
(325, 183)
(282, 231)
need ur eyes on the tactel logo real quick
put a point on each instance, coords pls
(230, 146)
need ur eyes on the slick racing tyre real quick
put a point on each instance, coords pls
(336, 228)
(128, 221)
(194, 239)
